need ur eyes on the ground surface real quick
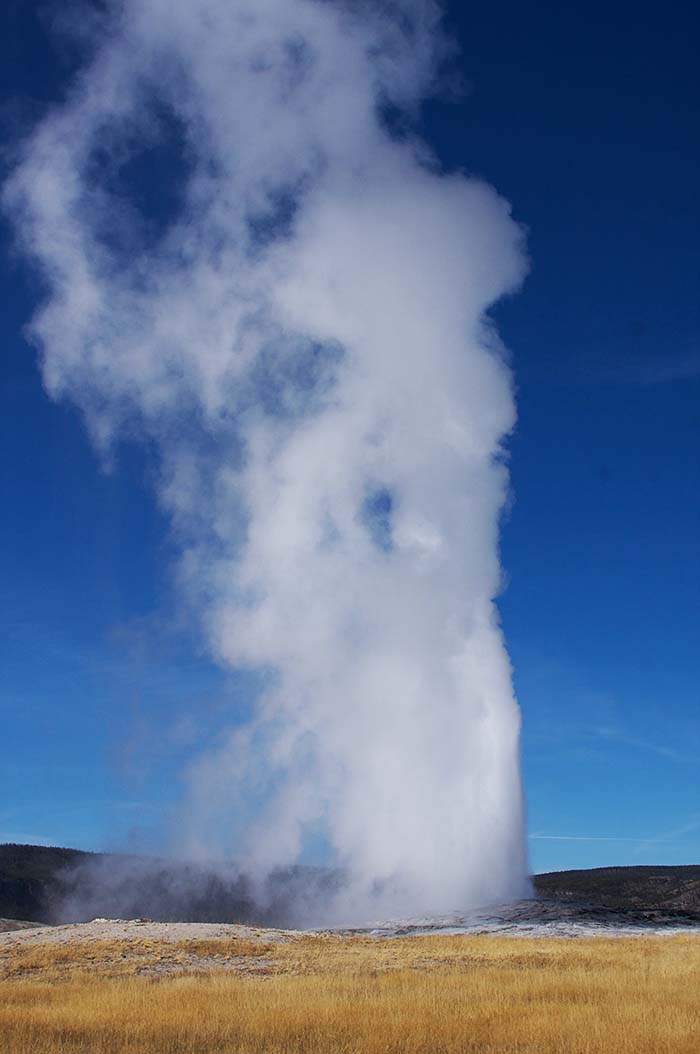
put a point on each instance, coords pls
(153, 948)
(111, 987)
(547, 918)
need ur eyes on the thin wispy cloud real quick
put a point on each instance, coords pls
(592, 838)
(642, 370)
(625, 737)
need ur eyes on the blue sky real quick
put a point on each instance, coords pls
(584, 117)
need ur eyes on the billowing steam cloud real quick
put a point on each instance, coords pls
(251, 263)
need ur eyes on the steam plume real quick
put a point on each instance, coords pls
(296, 319)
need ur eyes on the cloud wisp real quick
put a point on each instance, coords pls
(252, 264)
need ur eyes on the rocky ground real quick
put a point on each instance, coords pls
(135, 929)
(121, 947)
(548, 918)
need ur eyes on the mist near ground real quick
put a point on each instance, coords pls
(124, 887)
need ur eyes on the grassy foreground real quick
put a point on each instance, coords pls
(354, 995)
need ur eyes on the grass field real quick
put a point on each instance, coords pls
(432, 994)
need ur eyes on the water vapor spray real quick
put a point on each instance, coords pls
(252, 263)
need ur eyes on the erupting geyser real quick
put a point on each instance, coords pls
(294, 314)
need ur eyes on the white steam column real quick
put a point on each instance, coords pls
(302, 334)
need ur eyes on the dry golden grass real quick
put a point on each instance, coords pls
(226, 947)
(123, 957)
(317, 994)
